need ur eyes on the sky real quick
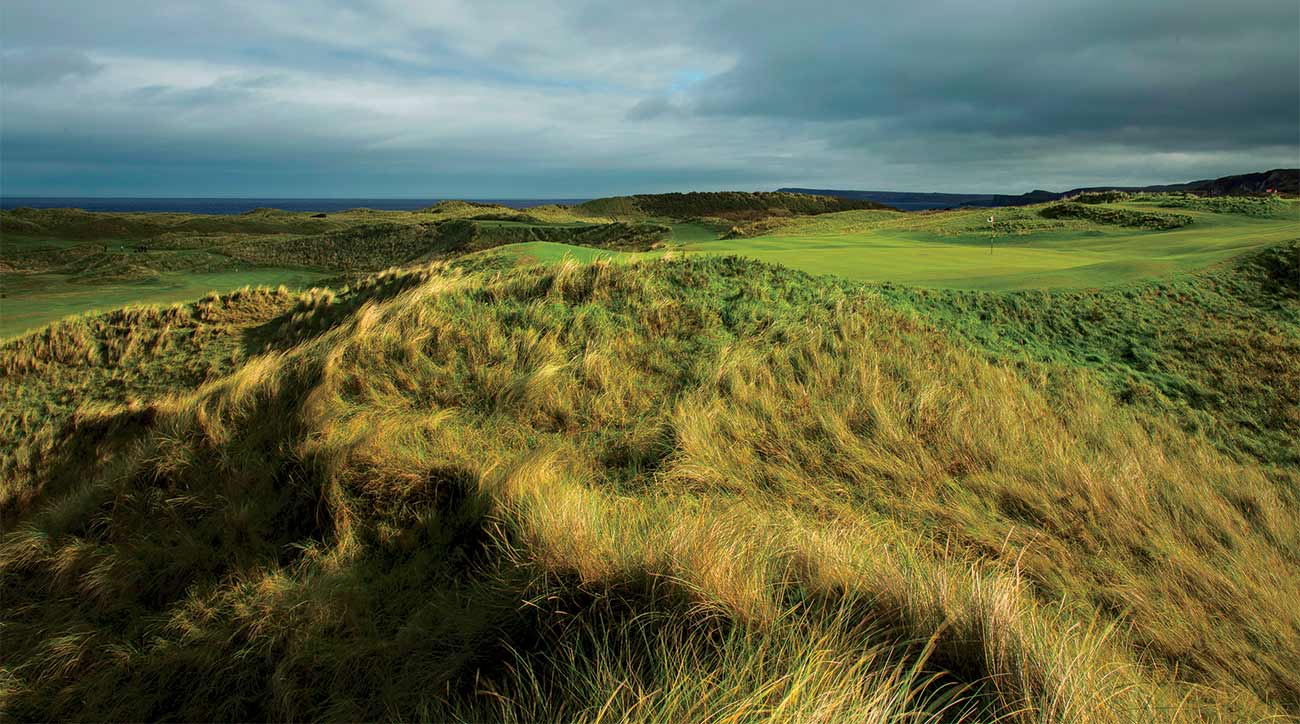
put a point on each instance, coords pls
(577, 99)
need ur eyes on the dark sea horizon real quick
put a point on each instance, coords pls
(228, 206)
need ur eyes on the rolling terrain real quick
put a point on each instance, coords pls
(56, 262)
(1023, 249)
(1279, 180)
(698, 457)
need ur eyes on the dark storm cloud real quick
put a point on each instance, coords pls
(1196, 73)
(495, 98)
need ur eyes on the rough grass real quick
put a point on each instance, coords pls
(1102, 214)
(82, 226)
(364, 247)
(1214, 349)
(733, 205)
(701, 489)
(957, 223)
(53, 259)
(1269, 205)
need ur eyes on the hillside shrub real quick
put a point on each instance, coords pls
(1099, 197)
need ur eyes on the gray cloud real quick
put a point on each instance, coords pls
(493, 98)
(45, 66)
(1199, 72)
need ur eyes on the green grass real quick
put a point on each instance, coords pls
(947, 251)
(1249, 205)
(535, 252)
(951, 250)
(603, 485)
(34, 300)
(58, 262)
(1115, 215)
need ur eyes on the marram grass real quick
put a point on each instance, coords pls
(686, 490)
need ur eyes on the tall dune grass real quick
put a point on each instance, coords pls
(700, 490)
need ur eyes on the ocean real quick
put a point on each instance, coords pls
(239, 206)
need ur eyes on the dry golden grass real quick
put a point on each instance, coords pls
(701, 490)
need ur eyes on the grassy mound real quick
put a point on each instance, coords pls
(377, 246)
(1260, 205)
(1269, 205)
(969, 225)
(1100, 197)
(365, 247)
(733, 205)
(1116, 216)
(1217, 350)
(112, 266)
(706, 488)
(617, 235)
(78, 225)
(60, 261)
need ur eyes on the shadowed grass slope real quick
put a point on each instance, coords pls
(707, 489)
(1117, 216)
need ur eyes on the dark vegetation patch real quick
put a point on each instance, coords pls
(98, 247)
(1115, 216)
(74, 224)
(458, 208)
(365, 247)
(1099, 197)
(1267, 205)
(620, 235)
(730, 205)
(373, 247)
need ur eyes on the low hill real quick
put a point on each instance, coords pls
(922, 201)
(731, 205)
(371, 247)
(1282, 180)
(55, 262)
(659, 491)
(84, 226)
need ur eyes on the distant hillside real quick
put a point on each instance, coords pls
(912, 201)
(1282, 180)
(735, 205)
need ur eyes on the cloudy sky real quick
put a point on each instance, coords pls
(570, 98)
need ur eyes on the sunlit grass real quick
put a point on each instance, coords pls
(658, 490)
